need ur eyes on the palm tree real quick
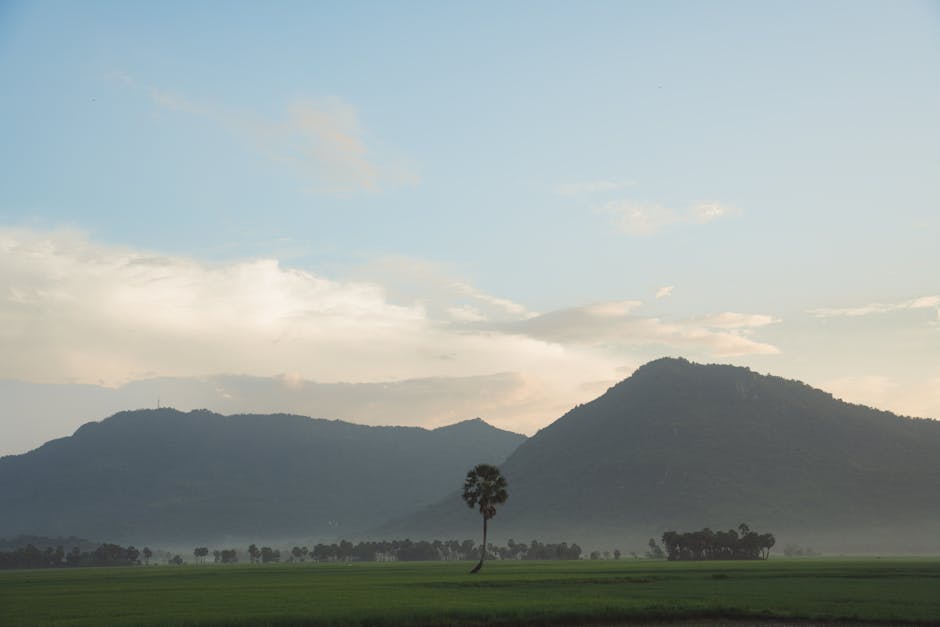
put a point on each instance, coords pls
(486, 487)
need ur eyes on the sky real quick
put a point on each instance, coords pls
(416, 213)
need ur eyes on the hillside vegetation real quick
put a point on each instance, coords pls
(164, 476)
(680, 445)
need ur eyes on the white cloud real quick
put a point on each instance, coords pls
(923, 302)
(616, 324)
(75, 311)
(732, 320)
(665, 291)
(504, 304)
(323, 140)
(466, 313)
(435, 288)
(639, 220)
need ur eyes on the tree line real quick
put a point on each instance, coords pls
(31, 556)
(344, 551)
(740, 544)
(440, 550)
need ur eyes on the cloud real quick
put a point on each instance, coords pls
(78, 312)
(434, 286)
(504, 304)
(580, 188)
(924, 302)
(641, 220)
(665, 291)
(616, 324)
(732, 320)
(323, 140)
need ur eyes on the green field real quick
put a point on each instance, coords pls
(440, 593)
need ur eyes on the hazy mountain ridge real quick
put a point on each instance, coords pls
(683, 446)
(677, 445)
(164, 475)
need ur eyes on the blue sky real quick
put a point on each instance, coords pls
(492, 209)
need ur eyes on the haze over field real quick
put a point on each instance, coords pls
(413, 213)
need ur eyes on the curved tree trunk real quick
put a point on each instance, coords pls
(477, 568)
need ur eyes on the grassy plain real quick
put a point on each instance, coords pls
(899, 591)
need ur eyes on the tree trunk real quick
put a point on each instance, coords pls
(477, 568)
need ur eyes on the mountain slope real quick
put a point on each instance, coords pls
(682, 446)
(167, 476)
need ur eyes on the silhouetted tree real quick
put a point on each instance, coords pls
(706, 544)
(484, 487)
(270, 555)
(147, 553)
(200, 552)
(229, 556)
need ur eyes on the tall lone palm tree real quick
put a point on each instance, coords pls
(486, 487)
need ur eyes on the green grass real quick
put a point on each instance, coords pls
(875, 590)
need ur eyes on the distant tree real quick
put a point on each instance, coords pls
(467, 547)
(345, 550)
(113, 555)
(254, 554)
(229, 556)
(706, 544)
(177, 560)
(617, 554)
(147, 553)
(484, 487)
(200, 552)
(766, 541)
(270, 555)
(74, 558)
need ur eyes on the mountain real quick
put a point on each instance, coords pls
(683, 446)
(153, 476)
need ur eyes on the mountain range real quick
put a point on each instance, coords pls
(164, 476)
(677, 446)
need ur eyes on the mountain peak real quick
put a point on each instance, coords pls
(470, 423)
(686, 445)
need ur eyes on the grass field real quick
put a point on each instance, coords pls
(901, 591)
